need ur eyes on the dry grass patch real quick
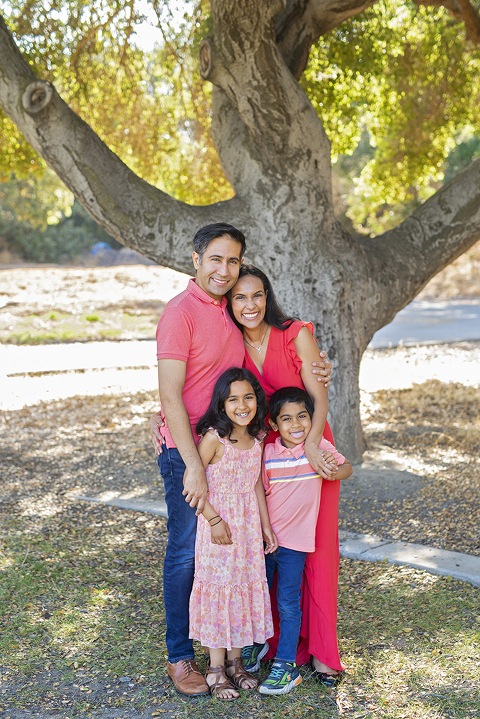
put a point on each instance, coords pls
(460, 279)
(431, 414)
(81, 607)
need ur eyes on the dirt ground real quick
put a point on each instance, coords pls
(88, 445)
(102, 566)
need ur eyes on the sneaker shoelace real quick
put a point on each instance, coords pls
(277, 672)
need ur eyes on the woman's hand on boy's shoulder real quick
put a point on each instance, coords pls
(323, 369)
(317, 460)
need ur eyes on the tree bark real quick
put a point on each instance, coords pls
(276, 155)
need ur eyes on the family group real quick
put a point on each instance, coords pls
(251, 478)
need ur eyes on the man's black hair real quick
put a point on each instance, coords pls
(289, 394)
(219, 229)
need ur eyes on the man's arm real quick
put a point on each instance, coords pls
(171, 379)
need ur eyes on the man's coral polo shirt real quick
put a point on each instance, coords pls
(198, 330)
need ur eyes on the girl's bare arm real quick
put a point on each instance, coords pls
(208, 449)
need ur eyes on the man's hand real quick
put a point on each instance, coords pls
(324, 370)
(317, 460)
(195, 488)
(221, 533)
(158, 441)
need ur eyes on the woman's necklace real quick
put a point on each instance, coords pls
(259, 349)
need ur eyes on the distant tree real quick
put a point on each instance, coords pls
(403, 72)
(39, 223)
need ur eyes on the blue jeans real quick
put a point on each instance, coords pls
(289, 564)
(179, 565)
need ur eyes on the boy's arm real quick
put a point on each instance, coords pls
(171, 379)
(267, 531)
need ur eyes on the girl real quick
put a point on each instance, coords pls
(230, 603)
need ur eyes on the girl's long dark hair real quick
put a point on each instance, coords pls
(274, 315)
(216, 417)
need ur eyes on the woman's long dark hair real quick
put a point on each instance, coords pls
(217, 418)
(274, 315)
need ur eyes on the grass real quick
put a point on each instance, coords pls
(81, 610)
(54, 326)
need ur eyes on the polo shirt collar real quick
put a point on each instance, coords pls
(202, 295)
(296, 451)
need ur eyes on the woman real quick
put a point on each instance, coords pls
(279, 351)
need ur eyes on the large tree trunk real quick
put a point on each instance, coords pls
(277, 157)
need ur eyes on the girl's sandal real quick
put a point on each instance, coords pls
(219, 686)
(240, 676)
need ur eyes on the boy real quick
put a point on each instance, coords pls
(293, 491)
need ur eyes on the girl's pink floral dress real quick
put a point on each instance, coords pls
(230, 602)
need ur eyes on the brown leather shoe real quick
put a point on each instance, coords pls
(187, 678)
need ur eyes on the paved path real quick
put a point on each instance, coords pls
(48, 372)
(426, 322)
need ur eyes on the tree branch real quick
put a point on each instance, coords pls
(302, 22)
(285, 134)
(404, 259)
(128, 208)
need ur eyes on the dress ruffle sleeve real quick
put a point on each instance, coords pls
(289, 336)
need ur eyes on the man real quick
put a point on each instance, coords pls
(196, 341)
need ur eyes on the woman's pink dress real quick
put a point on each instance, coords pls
(318, 635)
(230, 602)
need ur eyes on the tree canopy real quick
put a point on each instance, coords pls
(404, 75)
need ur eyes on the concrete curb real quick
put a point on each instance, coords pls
(366, 547)
(159, 507)
(371, 548)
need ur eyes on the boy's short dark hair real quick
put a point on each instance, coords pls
(289, 394)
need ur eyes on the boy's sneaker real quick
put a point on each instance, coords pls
(251, 656)
(284, 676)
